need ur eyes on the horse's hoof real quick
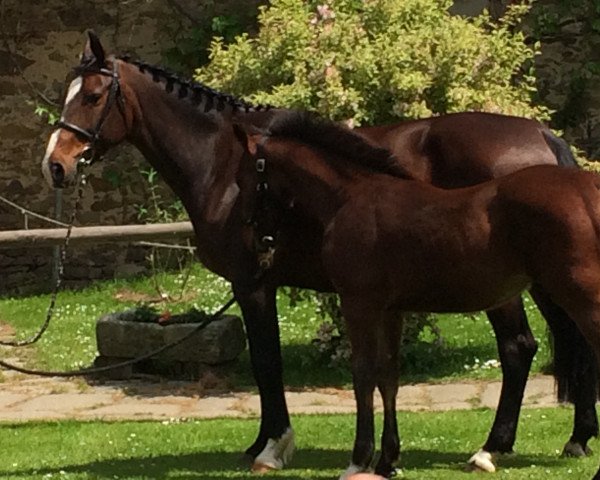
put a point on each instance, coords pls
(276, 454)
(483, 461)
(386, 473)
(574, 449)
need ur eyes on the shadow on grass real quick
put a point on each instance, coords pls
(219, 465)
(421, 361)
(303, 368)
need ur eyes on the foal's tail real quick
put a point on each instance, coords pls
(560, 149)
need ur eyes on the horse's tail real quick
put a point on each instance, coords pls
(574, 365)
(573, 360)
(560, 149)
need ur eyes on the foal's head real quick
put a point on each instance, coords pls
(306, 164)
(94, 115)
(305, 141)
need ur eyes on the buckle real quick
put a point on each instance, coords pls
(260, 165)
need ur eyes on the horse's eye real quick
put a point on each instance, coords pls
(92, 98)
(87, 154)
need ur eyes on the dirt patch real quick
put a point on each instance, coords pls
(6, 331)
(126, 295)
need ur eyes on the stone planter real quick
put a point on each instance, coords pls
(120, 337)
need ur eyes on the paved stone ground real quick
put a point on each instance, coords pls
(31, 398)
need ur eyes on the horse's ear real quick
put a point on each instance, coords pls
(249, 135)
(93, 53)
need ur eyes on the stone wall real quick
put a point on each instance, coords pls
(568, 70)
(40, 42)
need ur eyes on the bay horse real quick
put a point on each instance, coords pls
(185, 130)
(393, 243)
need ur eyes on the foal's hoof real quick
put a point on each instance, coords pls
(276, 454)
(574, 449)
(483, 461)
(258, 467)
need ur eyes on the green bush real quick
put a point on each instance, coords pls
(377, 61)
(372, 62)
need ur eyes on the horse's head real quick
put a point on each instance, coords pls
(93, 116)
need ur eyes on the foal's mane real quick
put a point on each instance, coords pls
(337, 140)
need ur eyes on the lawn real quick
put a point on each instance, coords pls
(435, 447)
(468, 350)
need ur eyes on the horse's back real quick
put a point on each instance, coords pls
(467, 148)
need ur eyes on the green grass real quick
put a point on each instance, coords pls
(435, 447)
(469, 343)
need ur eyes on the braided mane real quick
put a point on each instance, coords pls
(337, 140)
(196, 92)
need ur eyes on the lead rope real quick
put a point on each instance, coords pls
(61, 270)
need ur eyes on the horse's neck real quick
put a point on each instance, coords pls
(192, 150)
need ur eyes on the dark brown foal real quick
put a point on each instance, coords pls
(393, 244)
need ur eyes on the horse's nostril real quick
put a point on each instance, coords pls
(58, 173)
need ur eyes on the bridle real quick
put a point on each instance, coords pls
(261, 220)
(93, 135)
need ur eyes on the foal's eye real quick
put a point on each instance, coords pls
(92, 98)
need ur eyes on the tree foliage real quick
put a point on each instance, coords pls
(376, 61)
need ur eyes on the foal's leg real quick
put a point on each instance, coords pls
(363, 324)
(516, 347)
(275, 443)
(574, 370)
(387, 382)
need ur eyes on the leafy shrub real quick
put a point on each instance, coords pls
(377, 61)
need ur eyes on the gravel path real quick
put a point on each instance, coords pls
(31, 398)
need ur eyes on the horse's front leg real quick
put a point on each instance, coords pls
(362, 327)
(274, 445)
(516, 347)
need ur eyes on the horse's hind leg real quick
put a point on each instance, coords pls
(574, 370)
(516, 347)
(387, 382)
(587, 317)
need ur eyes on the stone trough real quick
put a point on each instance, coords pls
(125, 335)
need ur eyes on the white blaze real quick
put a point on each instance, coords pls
(49, 150)
(73, 90)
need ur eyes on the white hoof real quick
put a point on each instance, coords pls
(483, 460)
(276, 454)
(351, 470)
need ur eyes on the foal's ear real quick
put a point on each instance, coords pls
(93, 53)
(249, 135)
